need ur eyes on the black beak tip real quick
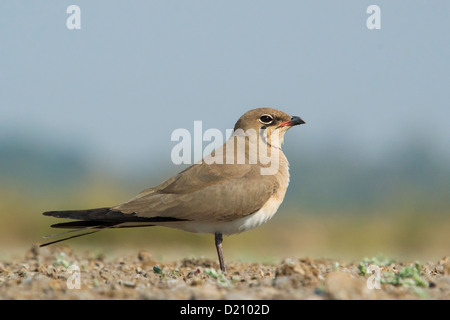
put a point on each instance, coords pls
(297, 120)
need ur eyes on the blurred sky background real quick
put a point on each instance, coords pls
(86, 115)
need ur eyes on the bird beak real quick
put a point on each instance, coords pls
(292, 122)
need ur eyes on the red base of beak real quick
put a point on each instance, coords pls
(293, 122)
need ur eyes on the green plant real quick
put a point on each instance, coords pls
(221, 280)
(408, 276)
(158, 270)
(61, 261)
(379, 260)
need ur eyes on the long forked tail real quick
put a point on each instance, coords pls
(93, 220)
(88, 221)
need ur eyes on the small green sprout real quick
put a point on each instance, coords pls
(60, 261)
(211, 272)
(362, 267)
(219, 276)
(158, 270)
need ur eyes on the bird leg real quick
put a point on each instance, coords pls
(219, 239)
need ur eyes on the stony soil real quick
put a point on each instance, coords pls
(49, 273)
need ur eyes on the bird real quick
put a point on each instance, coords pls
(238, 187)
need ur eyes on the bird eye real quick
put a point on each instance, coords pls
(266, 119)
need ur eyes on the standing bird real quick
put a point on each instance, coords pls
(238, 187)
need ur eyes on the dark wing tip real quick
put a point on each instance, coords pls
(50, 213)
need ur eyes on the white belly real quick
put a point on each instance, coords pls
(236, 226)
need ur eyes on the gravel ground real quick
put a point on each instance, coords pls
(57, 273)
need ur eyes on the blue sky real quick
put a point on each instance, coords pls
(137, 70)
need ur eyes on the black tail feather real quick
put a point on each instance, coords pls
(71, 237)
(95, 220)
(89, 214)
(102, 216)
(84, 224)
(86, 221)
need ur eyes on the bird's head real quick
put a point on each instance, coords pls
(268, 121)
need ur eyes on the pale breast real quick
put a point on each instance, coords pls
(271, 206)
